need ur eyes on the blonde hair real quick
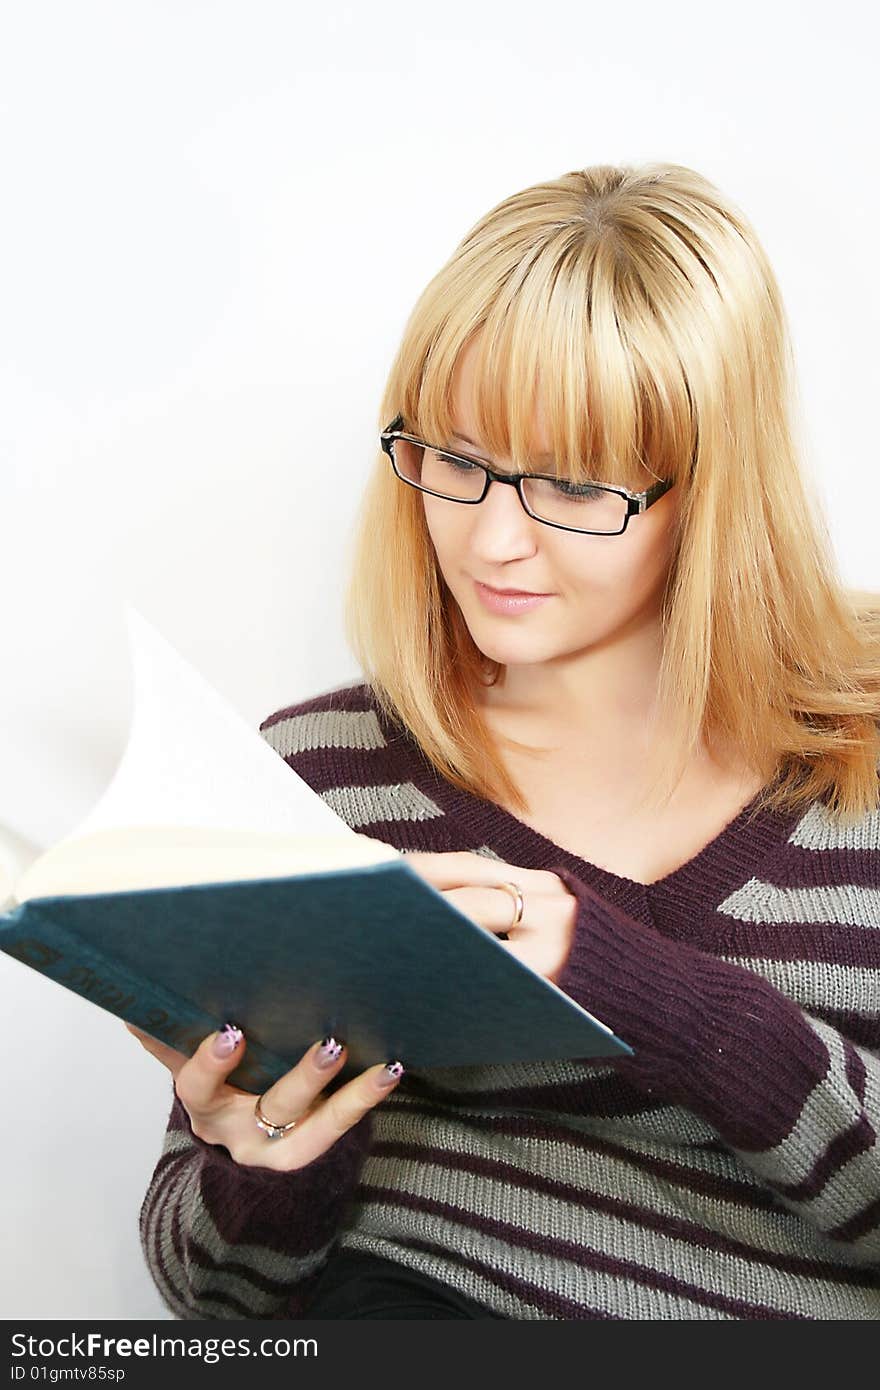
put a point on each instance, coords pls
(643, 299)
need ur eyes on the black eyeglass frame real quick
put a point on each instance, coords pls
(637, 502)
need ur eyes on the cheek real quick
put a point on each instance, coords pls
(625, 569)
(441, 526)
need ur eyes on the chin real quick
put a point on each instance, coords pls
(525, 652)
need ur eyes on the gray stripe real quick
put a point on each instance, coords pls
(819, 830)
(670, 1125)
(811, 982)
(502, 1076)
(845, 904)
(853, 1186)
(687, 1155)
(616, 1295)
(844, 1196)
(176, 1141)
(399, 801)
(163, 1202)
(726, 1275)
(329, 728)
(775, 1232)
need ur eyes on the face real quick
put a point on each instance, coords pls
(601, 588)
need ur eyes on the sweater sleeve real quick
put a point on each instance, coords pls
(796, 1100)
(228, 1240)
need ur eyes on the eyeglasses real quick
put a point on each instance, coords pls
(595, 509)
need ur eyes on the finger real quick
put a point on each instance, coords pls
(296, 1098)
(294, 1093)
(460, 868)
(493, 908)
(168, 1056)
(201, 1081)
(337, 1114)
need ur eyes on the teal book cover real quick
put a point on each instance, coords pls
(211, 883)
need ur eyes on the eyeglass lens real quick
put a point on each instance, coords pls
(581, 505)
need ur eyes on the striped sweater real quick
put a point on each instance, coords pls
(730, 1169)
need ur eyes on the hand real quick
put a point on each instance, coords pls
(224, 1114)
(543, 938)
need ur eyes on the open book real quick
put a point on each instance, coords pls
(210, 882)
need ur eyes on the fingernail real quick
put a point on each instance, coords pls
(329, 1052)
(227, 1040)
(391, 1072)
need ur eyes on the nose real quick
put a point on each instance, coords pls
(501, 525)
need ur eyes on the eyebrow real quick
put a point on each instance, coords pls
(475, 445)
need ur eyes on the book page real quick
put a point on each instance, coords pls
(192, 761)
(132, 859)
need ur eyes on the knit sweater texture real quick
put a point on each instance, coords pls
(729, 1170)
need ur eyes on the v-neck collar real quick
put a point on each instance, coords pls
(736, 854)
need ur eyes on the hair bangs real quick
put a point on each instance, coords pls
(572, 333)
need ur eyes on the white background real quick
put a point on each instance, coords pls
(215, 220)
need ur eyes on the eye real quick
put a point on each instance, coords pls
(566, 489)
(459, 465)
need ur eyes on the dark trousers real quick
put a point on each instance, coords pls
(355, 1285)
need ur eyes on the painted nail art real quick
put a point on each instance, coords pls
(329, 1052)
(227, 1040)
(391, 1072)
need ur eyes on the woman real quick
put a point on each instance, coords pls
(672, 756)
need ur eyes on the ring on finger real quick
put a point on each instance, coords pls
(271, 1131)
(515, 890)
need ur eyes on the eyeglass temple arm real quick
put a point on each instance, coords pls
(645, 499)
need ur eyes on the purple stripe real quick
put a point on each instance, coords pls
(856, 1072)
(858, 1139)
(859, 1225)
(165, 1163)
(860, 1028)
(580, 1255)
(611, 1096)
(808, 868)
(714, 1037)
(178, 1118)
(166, 1170)
(702, 1237)
(743, 1194)
(181, 1246)
(552, 1304)
(278, 1209)
(191, 1252)
(832, 942)
(294, 1222)
(280, 1289)
(179, 1293)
(317, 767)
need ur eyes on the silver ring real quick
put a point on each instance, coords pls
(516, 891)
(271, 1131)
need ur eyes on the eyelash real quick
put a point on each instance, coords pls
(568, 489)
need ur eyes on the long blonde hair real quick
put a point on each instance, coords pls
(646, 303)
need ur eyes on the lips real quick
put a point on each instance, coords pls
(509, 603)
(513, 593)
